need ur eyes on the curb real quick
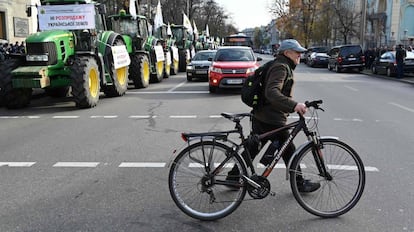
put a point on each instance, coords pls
(409, 80)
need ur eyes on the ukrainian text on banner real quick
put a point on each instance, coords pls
(66, 17)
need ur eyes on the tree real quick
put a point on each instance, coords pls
(348, 21)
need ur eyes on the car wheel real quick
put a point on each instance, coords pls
(337, 69)
(189, 78)
(329, 67)
(389, 73)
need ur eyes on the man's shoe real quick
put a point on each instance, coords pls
(307, 186)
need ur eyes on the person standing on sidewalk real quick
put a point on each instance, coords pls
(400, 55)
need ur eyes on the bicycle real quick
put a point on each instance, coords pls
(197, 176)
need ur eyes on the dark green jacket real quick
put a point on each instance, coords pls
(278, 93)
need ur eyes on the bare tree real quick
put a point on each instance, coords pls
(348, 21)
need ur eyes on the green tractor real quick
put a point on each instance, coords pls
(184, 42)
(73, 50)
(170, 50)
(145, 51)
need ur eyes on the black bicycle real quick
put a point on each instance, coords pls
(199, 187)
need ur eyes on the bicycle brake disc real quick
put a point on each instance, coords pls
(260, 192)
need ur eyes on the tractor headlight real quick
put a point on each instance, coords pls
(43, 57)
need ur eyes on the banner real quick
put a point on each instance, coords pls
(187, 24)
(66, 17)
(121, 56)
(132, 9)
(158, 21)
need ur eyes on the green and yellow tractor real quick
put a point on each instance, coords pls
(184, 42)
(146, 51)
(72, 53)
(170, 50)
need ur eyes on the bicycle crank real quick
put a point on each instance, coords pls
(260, 187)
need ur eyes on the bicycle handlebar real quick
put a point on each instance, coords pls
(314, 104)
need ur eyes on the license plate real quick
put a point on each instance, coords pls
(234, 81)
(201, 72)
(351, 58)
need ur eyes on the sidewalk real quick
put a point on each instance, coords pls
(407, 79)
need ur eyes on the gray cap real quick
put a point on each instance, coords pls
(291, 44)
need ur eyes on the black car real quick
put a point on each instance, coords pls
(386, 64)
(346, 57)
(318, 59)
(311, 50)
(199, 65)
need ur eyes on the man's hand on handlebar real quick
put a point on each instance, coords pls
(300, 108)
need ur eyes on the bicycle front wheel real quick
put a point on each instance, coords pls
(199, 192)
(342, 185)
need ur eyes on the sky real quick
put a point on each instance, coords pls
(247, 13)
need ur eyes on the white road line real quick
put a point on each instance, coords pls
(402, 107)
(183, 116)
(10, 117)
(65, 117)
(16, 164)
(164, 92)
(76, 164)
(104, 116)
(215, 116)
(142, 116)
(176, 87)
(142, 165)
(351, 88)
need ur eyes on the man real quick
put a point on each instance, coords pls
(400, 55)
(279, 103)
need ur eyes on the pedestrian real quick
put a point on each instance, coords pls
(278, 104)
(400, 55)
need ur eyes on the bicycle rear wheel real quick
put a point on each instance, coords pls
(340, 190)
(196, 191)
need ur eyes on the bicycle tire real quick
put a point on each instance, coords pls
(334, 197)
(185, 182)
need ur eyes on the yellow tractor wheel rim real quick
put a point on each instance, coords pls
(146, 71)
(121, 75)
(160, 67)
(93, 82)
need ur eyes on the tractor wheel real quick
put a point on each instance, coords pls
(159, 71)
(85, 82)
(174, 65)
(167, 67)
(12, 98)
(139, 71)
(182, 60)
(119, 77)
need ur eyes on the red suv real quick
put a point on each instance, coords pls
(231, 66)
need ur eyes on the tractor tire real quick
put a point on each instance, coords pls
(119, 77)
(182, 55)
(174, 65)
(85, 82)
(10, 97)
(139, 71)
(157, 77)
(167, 67)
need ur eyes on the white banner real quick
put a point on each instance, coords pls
(121, 56)
(66, 17)
(159, 53)
(175, 53)
(168, 58)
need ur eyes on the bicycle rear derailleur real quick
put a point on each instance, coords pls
(258, 187)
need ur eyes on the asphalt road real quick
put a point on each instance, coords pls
(106, 168)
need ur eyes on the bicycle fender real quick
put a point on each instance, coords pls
(299, 149)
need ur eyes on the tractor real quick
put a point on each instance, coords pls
(170, 50)
(72, 53)
(184, 42)
(145, 51)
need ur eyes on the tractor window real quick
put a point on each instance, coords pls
(99, 26)
(128, 27)
(143, 27)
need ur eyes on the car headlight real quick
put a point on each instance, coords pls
(250, 70)
(43, 57)
(214, 69)
(189, 67)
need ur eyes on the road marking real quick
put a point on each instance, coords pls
(351, 88)
(104, 116)
(65, 117)
(142, 116)
(164, 92)
(215, 116)
(142, 165)
(183, 116)
(177, 86)
(10, 117)
(76, 164)
(17, 164)
(402, 107)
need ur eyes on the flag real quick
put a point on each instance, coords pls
(169, 32)
(207, 31)
(132, 9)
(158, 22)
(187, 23)
(195, 30)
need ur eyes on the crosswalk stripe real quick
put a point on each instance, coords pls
(142, 165)
(16, 164)
(76, 164)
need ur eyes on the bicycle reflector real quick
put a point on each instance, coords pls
(184, 137)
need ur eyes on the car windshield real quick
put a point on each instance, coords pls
(234, 55)
(320, 49)
(204, 55)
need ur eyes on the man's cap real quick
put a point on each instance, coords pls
(291, 44)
